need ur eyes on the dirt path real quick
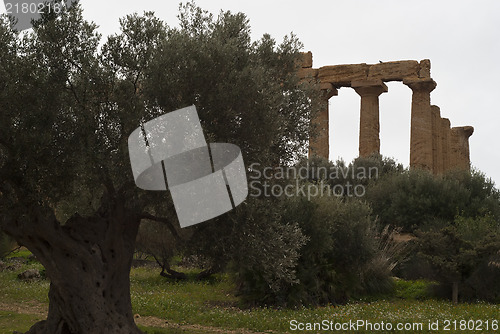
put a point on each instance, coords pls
(26, 308)
(42, 309)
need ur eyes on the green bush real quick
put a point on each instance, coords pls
(417, 199)
(266, 252)
(331, 250)
(342, 258)
(484, 233)
(361, 171)
(417, 290)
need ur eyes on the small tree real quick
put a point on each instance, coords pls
(157, 241)
(465, 254)
(451, 257)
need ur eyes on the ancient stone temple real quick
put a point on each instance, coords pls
(434, 144)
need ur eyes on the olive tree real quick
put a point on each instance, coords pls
(67, 107)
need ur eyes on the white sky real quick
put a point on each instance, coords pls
(461, 38)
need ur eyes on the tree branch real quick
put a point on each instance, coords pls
(165, 266)
(166, 221)
(72, 88)
(13, 251)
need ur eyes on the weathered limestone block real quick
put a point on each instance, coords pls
(307, 73)
(425, 69)
(343, 75)
(307, 59)
(421, 155)
(459, 144)
(394, 70)
(319, 145)
(369, 125)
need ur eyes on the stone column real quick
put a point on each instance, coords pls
(319, 145)
(459, 144)
(437, 144)
(369, 125)
(445, 138)
(421, 123)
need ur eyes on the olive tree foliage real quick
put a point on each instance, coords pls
(268, 118)
(67, 108)
(62, 136)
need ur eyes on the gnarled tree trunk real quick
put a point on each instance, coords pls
(88, 262)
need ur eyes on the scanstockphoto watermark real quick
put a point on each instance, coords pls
(309, 181)
(23, 13)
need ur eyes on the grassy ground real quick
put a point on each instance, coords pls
(163, 306)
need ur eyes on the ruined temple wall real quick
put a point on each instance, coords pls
(434, 145)
(450, 145)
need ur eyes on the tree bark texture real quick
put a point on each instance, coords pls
(88, 262)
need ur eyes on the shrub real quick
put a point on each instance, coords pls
(362, 171)
(417, 289)
(266, 253)
(416, 198)
(336, 255)
(342, 257)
